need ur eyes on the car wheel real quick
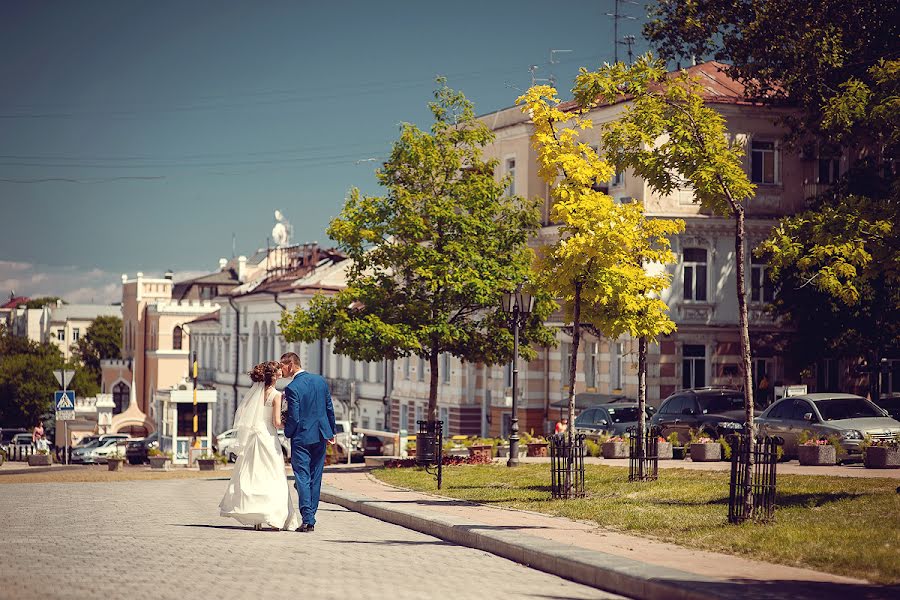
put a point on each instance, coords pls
(134, 461)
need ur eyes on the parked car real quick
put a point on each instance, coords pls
(98, 450)
(890, 403)
(136, 451)
(88, 439)
(712, 411)
(223, 444)
(345, 437)
(7, 434)
(609, 419)
(850, 418)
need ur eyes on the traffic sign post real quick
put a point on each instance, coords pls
(64, 401)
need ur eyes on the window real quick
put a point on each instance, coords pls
(829, 170)
(763, 162)
(120, 397)
(586, 418)
(61, 335)
(420, 371)
(507, 374)
(590, 364)
(890, 381)
(693, 366)
(272, 335)
(782, 410)
(445, 367)
(76, 333)
(565, 357)
(256, 343)
(511, 173)
(419, 413)
(445, 417)
(618, 179)
(695, 268)
(798, 409)
(761, 287)
(616, 366)
(177, 335)
(404, 416)
(379, 371)
(406, 367)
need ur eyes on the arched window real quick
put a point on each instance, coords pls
(177, 338)
(120, 397)
(255, 345)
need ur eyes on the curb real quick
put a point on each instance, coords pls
(607, 572)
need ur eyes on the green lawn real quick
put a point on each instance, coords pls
(848, 526)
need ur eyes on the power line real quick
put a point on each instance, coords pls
(85, 181)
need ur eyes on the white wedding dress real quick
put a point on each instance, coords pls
(259, 492)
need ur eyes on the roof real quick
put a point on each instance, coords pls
(224, 277)
(85, 312)
(213, 316)
(827, 396)
(15, 301)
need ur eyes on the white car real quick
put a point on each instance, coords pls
(224, 442)
(98, 451)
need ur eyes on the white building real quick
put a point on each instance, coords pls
(59, 324)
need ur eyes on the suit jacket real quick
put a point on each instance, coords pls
(310, 413)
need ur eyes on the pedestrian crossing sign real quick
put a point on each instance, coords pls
(64, 400)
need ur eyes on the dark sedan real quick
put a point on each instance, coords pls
(136, 450)
(712, 411)
(608, 419)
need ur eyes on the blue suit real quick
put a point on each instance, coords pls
(310, 424)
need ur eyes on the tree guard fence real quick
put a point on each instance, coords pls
(643, 459)
(567, 466)
(429, 448)
(765, 458)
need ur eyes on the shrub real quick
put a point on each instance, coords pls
(673, 438)
(592, 448)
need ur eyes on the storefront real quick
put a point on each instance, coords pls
(175, 408)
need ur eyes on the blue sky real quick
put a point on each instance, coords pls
(143, 135)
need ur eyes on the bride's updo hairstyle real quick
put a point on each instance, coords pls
(265, 373)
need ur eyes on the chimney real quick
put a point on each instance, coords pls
(242, 268)
(222, 263)
(169, 275)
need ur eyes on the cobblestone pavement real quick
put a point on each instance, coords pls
(164, 539)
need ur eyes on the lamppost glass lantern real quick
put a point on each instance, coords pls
(518, 305)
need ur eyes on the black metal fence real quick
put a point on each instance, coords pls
(19, 453)
(429, 448)
(643, 459)
(567, 466)
(763, 478)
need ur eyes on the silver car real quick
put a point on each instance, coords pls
(850, 418)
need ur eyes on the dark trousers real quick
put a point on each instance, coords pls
(308, 462)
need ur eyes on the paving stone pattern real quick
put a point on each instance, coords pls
(164, 539)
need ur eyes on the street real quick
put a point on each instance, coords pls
(164, 539)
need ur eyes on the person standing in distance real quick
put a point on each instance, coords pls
(310, 426)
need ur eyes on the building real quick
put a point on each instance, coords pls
(155, 353)
(705, 349)
(8, 308)
(59, 324)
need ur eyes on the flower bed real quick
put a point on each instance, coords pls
(704, 449)
(664, 450)
(817, 453)
(482, 450)
(615, 447)
(448, 461)
(882, 457)
(537, 449)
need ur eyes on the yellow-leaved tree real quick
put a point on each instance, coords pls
(598, 268)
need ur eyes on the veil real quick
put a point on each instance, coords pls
(249, 417)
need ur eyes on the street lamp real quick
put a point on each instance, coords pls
(518, 305)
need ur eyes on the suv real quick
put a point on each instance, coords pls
(136, 451)
(611, 419)
(714, 412)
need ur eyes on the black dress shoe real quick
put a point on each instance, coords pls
(307, 528)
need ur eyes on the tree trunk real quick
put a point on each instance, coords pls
(739, 247)
(573, 363)
(433, 385)
(642, 394)
(874, 376)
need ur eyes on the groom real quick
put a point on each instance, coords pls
(310, 425)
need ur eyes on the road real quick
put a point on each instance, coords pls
(164, 539)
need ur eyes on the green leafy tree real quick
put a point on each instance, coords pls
(670, 138)
(597, 268)
(796, 53)
(431, 258)
(101, 341)
(42, 301)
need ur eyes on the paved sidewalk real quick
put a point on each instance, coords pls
(632, 563)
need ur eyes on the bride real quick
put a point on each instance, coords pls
(258, 493)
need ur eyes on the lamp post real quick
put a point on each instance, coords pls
(517, 305)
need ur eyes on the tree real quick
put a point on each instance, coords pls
(101, 341)
(797, 53)
(26, 379)
(670, 138)
(598, 265)
(431, 258)
(42, 301)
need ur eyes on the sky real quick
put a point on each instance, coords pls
(146, 136)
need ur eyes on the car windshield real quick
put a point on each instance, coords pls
(91, 444)
(623, 415)
(835, 409)
(718, 404)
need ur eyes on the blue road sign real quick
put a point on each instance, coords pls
(64, 400)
